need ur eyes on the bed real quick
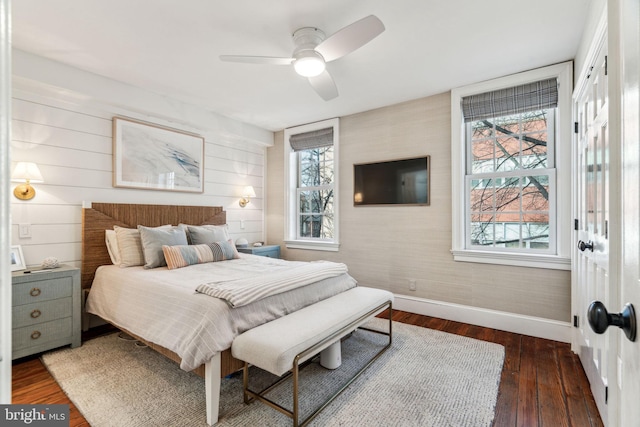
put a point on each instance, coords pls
(160, 306)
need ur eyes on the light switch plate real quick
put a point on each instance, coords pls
(24, 231)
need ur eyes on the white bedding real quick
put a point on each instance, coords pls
(162, 306)
(239, 292)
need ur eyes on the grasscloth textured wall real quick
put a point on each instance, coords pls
(384, 247)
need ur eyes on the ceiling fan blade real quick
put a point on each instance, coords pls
(350, 38)
(325, 87)
(272, 60)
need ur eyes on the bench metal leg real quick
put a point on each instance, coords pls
(295, 370)
(296, 408)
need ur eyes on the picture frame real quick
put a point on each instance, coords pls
(17, 259)
(153, 157)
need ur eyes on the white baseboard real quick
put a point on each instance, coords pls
(510, 322)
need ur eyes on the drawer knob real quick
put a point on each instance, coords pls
(35, 335)
(35, 313)
(35, 292)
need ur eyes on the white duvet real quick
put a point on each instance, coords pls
(162, 306)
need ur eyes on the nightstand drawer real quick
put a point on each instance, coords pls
(42, 290)
(41, 334)
(269, 251)
(40, 312)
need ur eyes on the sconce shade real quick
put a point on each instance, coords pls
(249, 191)
(27, 173)
(247, 194)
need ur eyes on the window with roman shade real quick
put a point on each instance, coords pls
(508, 168)
(311, 158)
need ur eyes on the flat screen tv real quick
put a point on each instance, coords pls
(395, 182)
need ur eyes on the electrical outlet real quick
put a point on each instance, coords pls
(412, 284)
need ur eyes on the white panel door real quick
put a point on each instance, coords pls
(629, 351)
(591, 254)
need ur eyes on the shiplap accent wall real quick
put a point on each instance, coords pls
(384, 247)
(70, 140)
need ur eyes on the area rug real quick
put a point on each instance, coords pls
(427, 378)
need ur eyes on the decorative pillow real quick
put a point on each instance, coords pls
(154, 238)
(130, 245)
(202, 234)
(112, 246)
(184, 255)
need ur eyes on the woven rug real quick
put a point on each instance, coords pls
(427, 378)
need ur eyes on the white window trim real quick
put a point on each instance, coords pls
(561, 260)
(290, 187)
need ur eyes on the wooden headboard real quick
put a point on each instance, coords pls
(103, 216)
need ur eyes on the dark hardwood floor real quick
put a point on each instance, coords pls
(542, 384)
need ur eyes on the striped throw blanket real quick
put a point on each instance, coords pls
(239, 292)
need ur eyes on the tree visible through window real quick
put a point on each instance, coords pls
(311, 186)
(510, 176)
(315, 193)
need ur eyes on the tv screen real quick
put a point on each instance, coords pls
(396, 182)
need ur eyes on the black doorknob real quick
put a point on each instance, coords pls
(600, 319)
(583, 246)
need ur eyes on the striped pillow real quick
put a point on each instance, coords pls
(183, 255)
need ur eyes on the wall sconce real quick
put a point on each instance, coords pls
(247, 194)
(27, 173)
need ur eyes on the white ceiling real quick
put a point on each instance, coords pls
(171, 47)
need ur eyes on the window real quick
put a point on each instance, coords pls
(510, 193)
(311, 161)
(511, 169)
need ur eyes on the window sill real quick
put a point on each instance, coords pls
(312, 245)
(552, 262)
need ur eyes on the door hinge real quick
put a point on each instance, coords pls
(576, 224)
(576, 321)
(606, 229)
(575, 127)
(606, 394)
(606, 65)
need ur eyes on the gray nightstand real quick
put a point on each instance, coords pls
(46, 310)
(271, 251)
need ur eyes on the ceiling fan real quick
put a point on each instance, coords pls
(313, 50)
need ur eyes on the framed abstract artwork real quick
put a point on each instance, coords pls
(154, 157)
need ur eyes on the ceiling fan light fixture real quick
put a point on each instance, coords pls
(312, 50)
(309, 63)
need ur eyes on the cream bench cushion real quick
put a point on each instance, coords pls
(274, 345)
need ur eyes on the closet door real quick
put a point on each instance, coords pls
(591, 253)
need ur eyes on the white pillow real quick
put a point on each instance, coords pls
(112, 246)
(130, 246)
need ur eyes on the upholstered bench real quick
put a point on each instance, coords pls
(280, 346)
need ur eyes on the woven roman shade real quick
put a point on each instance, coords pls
(314, 139)
(514, 100)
